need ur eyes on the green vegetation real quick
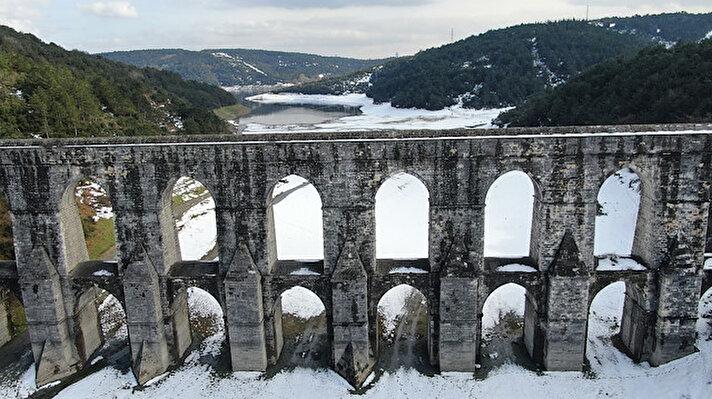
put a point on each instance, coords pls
(230, 112)
(668, 27)
(18, 321)
(232, 67)
(7, 250)
(506, 67)
(658, 85)
(498, 68)
(47, 91)
(354, 82)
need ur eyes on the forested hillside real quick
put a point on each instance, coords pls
(658, 85)
(505, 67)
(232, 67)
(669, 28)
(46, 91)
(498, 68)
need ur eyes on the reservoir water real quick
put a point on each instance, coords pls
(298, 115)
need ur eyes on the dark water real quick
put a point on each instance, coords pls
(295, 114)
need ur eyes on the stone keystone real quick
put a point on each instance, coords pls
(140, 268)
(242, 263)
(567, 260)
(349, 266)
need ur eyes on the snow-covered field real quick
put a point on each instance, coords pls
(612, 375)
(373, 116)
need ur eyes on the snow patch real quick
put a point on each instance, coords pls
(708, 35)
(298, 226)
(414, 270)
(708, 264)
(302, 303)
(509, 205)
(618, 199)
(505, 299)
(374, 116)
(402, 218)
(392, 305)
(304, 272)
(102, 273)
(618, 263)
(516, 267)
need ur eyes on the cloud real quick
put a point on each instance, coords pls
(111, 9)
(306, 4)
(22, 15)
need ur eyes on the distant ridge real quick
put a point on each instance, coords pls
(505, 67)
(233, 67)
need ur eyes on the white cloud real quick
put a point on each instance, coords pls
(22, 15)
(118, 9)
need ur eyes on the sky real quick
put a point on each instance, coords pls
(349, 28)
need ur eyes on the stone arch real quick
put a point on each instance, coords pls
(86, 211)
(398, 216)
(604, 322)
(393, 324)
(196, 313)
(89, 321)
(618, 199)
(301, 315)
(507, 312)
(647, 221)
(181, 196)
(12, 316)
(288, 226)
(704, 312)
(515, 189)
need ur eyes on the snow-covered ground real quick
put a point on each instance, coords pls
(509, 204)
(296, 207)
(402, 218)
(373, 116)
(197, 226)
(619, 198)
(613, 375)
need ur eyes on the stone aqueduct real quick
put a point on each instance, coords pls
(56, 282)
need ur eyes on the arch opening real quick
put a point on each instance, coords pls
(704, 320)
(87, 223)
(13, 322)
(188, 222)
(199, 327)
(15, 348)
(295, 226)
(301, 331)
(193, 209)
(101, 328)
(509, 215)
(605, 318)
(97, 217)
(616, 221)
(7, 248)
(404, 329)
(504, 332)
(402, 212)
